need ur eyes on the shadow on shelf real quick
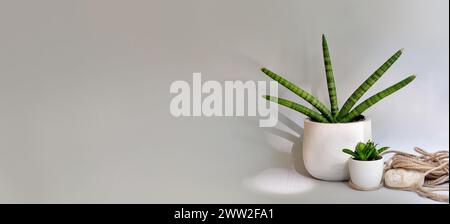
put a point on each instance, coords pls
(291, 177)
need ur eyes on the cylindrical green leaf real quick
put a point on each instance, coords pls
(330, 77)
(301, 93)
(297, 107)
(375, 98)
(353, 99)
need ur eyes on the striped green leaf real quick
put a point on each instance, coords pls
(370, 152)
(380, 151)
(350, 152)
(297, 107)
(301, 93)
(330, 77)
(359, 92)
(375, 98)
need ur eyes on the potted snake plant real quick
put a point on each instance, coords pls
(366, 165)
(328, 130)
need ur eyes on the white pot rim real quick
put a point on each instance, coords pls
(365, 120)
(366, 161)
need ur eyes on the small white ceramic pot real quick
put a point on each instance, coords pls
(366, 174)
(323, 144)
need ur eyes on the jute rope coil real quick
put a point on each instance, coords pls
(435, 169)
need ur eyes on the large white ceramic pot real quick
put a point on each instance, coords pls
(366, 175)
(323, 144)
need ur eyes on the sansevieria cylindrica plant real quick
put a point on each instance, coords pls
(349, 112)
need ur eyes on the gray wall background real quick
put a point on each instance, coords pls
(84, 90)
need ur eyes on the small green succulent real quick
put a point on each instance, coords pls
(366, 151)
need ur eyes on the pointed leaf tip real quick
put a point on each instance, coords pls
(411, 78)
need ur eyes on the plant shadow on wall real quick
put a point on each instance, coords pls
(289, 176)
